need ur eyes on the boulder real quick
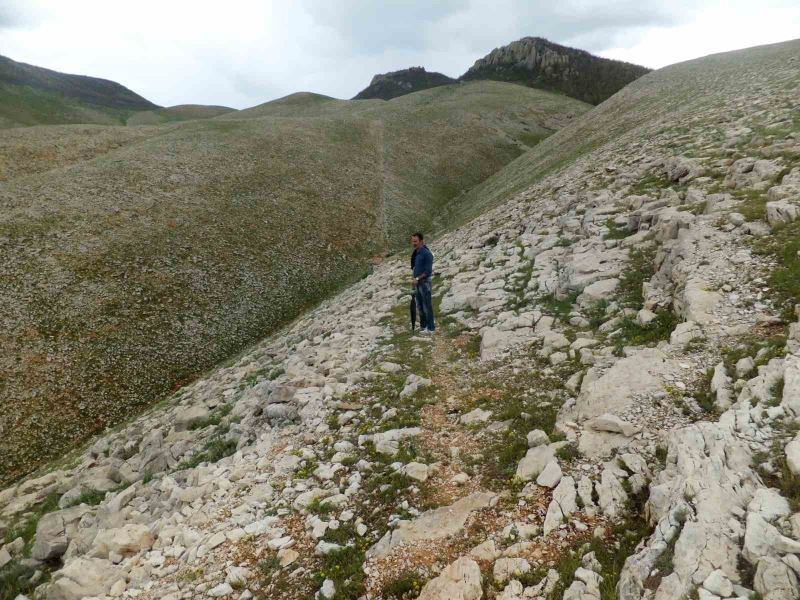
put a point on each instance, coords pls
(534, 462)
(475, 416)
(82, 578)
(781, 212)
(774, 580)
(123, 541)
(793, 455)
(510, 568)
(433, 524)
(599, 290)
(684, 333)
(537, 437)
(550, 476)
(55, 530)
(416, 471)
(563, 505)
(634, 376)
(613, 424)
(461, 580)
(388, 442)
(412, 384)
(190, 417)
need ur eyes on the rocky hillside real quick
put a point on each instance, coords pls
(386, 86)
(136, 258)
(31, 95)
(609, 407)
(540, 63)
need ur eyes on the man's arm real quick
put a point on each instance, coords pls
(427, 266)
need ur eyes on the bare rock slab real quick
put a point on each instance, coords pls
(433, 524)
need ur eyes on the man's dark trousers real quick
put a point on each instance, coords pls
(425, 305)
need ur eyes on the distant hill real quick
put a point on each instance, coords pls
(397, 83)
(181, 112)
(31, 95)
(537, 62)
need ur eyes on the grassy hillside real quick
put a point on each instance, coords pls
(135, 258)
(479, 127)
(31, 95)
(182, 112)
(673, 92)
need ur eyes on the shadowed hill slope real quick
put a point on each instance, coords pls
(31, 95)
(134, 258)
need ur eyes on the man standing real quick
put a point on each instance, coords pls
(422, 266)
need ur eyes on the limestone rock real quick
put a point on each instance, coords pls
(550, 476)
(461, 580)
(613, 424)
(476, 416)
(83, 577)
(124, 541)
(685, 333)
(537, 437)
(433, 524)
(509, 568)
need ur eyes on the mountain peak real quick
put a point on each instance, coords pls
(405, 81)
(538, 62)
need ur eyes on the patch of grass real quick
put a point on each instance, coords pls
(26, 526)
(661, 455)
(214, 417)
(558, 308)
(406, 587)
(634, 334)
(616, 232)
(306, 470)
(568, 453)
(639, 269)
(701, 392)
(597, 313)
(214, 450)
(782, 478)
(751, 345)
(15, 580)
(664, 562)
(267, 569)
(776, 393)
(344, 567)
(784, 279)
(88, 497)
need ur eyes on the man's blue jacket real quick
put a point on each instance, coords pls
(422, 261)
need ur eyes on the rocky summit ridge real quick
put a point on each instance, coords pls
(609, 409)
(541, 63)
(405, 81)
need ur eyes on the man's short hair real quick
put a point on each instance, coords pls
(417, 235)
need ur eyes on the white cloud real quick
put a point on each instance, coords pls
(243, 52)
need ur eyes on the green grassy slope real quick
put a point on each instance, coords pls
(31, 95)
(480, 126)
(676, 91)
(134, 258)
(138, 269)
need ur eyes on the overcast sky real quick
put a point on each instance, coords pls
(243, 52)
